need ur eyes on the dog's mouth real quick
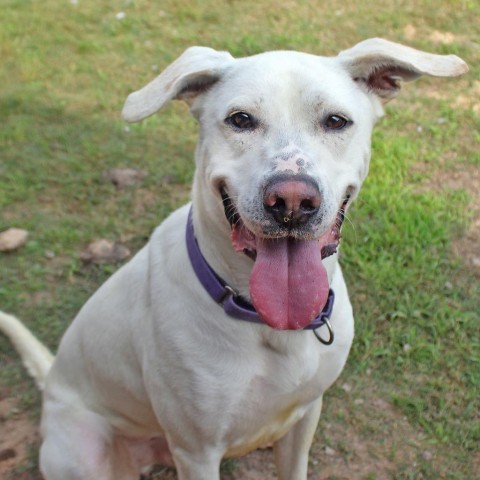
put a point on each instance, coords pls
(288, 283)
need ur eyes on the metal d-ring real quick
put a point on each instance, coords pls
(229, 292)
(330, 333)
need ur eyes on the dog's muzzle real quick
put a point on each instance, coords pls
(288, 282)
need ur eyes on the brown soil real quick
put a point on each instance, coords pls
(19, 435)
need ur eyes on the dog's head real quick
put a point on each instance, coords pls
(284, 147)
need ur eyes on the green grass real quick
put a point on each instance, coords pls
(416, 296)
(65, 72)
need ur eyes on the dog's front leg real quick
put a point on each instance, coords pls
(291, 451)
(203, 464)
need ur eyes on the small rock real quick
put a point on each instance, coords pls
(330, 451)
(105, 251)
(426, 455)
(124, 177)
(12, 239)
(346, 387)
(476, 261)
(359, 401)
(120, 15)
(407, 347)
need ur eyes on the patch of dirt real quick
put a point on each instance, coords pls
(410, 32)
(467, 96)
(371, 441)
(19, 433)
(445, 38)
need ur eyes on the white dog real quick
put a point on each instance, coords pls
(222, 334)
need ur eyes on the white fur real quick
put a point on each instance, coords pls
(151, 364)
(36, 358)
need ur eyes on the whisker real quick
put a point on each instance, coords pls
(230, 209)
(347, 218)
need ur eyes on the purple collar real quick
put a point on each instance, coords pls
(233, 304)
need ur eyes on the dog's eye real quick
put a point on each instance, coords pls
(336, 122)
(242, 121)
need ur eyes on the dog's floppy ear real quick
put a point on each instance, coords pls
(380, 65)
(191, 74)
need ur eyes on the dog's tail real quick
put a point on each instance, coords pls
(35, 356)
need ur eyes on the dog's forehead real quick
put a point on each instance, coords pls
(286, 74)
(285, 60)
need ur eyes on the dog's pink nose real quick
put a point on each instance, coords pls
(291, 201)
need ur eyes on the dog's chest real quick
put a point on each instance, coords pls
(268, 433)
(280, 391)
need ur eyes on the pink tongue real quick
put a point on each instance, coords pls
(288, 283)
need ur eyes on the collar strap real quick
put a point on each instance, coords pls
(233, 304)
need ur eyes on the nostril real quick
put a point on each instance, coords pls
(279, 204)
(307, 205)
(271, 199)
(274, 202)
(278, 210)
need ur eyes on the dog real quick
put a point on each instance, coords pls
(222, 334)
